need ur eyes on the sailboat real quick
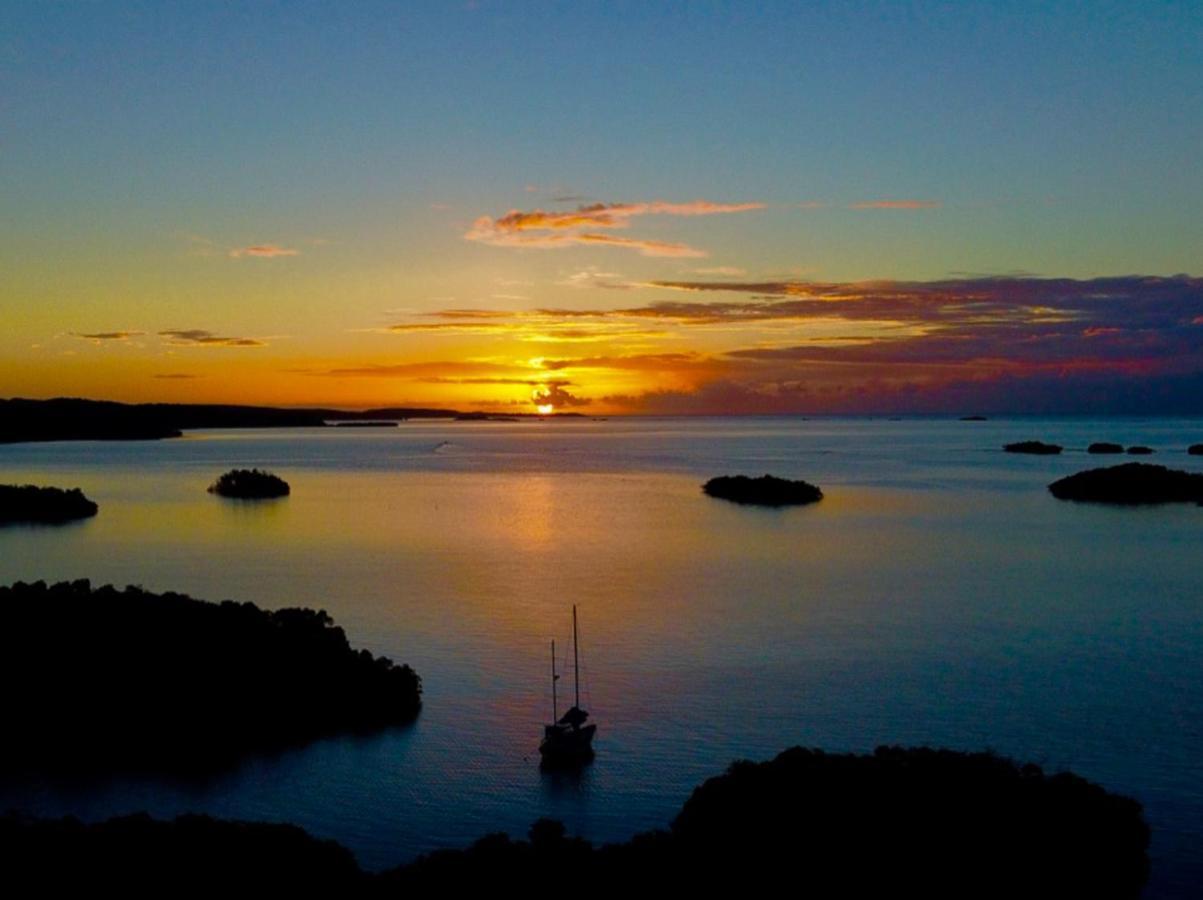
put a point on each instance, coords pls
(568, 740)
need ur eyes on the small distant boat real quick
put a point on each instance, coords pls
(568, 740)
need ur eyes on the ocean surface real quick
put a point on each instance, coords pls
(937, 595)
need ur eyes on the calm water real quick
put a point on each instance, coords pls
(937, 595)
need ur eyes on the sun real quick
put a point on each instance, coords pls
(545, 409)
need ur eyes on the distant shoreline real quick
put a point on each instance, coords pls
(73, 419)
(76, 419)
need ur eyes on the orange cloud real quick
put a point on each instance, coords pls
(646, 248)
(263, 251)
(541, 229)
(98, 337)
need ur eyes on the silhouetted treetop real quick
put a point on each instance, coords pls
(29, 503)
(249, 484)
(134, 680)
(899, 822)
(767, 490)
(934, 822)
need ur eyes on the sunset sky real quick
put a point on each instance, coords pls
(606, 208)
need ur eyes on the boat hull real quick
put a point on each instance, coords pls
(562, 745)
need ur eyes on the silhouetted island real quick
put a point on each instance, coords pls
(1195, 449)
(899, 822)
(1131, 484)
(1038, 448)
(1104, 447)
(249, 484)
(767, 490)
(103, 680)
(47, 505)
(974, 419)
(1139, 451)
(365, 424)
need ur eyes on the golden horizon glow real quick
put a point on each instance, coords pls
(758, 346)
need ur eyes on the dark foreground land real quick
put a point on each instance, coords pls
(1131, 484)
(899, 822)
(103, 680)
(767, 490)
(45, 505)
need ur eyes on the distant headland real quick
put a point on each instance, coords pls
(104, 680)
(72, 419)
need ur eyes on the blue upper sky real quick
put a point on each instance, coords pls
(1089, 113)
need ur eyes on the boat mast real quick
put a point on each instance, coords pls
(576, 661)
(555, 715)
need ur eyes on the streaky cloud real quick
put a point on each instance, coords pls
(418, 370)
(199, 337)
(98, 337)
(645, 362)
(263, 251)
(528, 382)
(645, 248)
(543, 229)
